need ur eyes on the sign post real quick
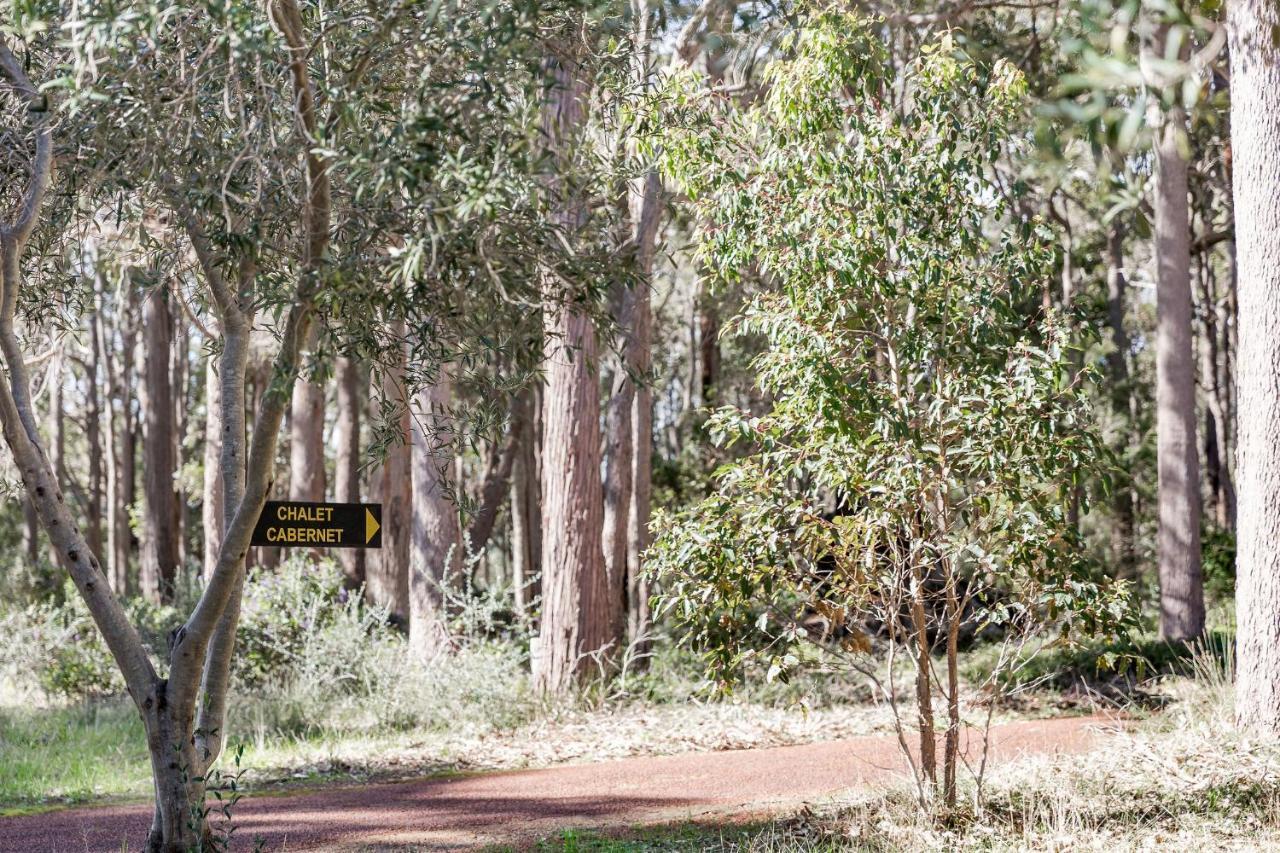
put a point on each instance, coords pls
(285, 524)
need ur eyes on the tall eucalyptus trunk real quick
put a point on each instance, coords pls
(388, 574)
(1255, 141)
(526, 514)
(346, 467)
(1178, 461)
(212, 513)
(435, 548)
(306, 440)
(160, 522)
(575, 616)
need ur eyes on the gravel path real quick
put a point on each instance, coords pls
(519, 806)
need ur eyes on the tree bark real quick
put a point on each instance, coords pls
(435, 552)
(1255, 131)
(306, 440)
(57, 435)
(1123, 404)
(346, 468)
(212, 511)
(1178, 461)
(127, 495)
(619, 468)
(160, 523)
(93, 439)
(575, 624)
(496, 483)
(526, 513)
(1217, 427)
(389, 583)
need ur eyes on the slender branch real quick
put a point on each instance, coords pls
(42, 166)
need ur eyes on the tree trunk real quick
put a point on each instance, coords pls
(574, 617)
(1255, 131)
(1178, 538)
(178, 383)
(155, 396)
(57, 434)
(1123, 540)
(526, 514)
(346, 468)
(1216, 439)
(127, 488)
(575, 621)
(619, 467)
(212, 514)
(306, 440)
(93, 440)
(435, 552)
(389, 583)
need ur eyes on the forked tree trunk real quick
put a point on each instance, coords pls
(160, 522)
(1255, 131)
(346, 467)
(575, 620)
(1178, 461)
(435, 551)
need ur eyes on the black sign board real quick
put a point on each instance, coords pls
(304, 524)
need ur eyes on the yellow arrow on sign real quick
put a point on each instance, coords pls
(370, 526)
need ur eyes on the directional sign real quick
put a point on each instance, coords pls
(319, 525)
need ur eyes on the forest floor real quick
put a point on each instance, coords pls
(518, 808)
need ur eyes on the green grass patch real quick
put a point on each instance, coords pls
(1131, 659)
(55, 756)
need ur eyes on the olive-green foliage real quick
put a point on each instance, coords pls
(1218, 558)
(925, 414)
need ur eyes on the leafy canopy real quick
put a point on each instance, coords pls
(922, 432)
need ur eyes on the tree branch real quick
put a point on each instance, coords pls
(42, 166)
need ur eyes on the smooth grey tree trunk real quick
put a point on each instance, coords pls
(1178, 461)
(435, 548)
(1255, 142)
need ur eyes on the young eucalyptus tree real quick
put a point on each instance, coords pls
(913, 478)
(1255, 136)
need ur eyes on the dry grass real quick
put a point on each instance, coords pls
(1182, 779)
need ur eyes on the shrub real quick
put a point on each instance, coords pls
(918, 467)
